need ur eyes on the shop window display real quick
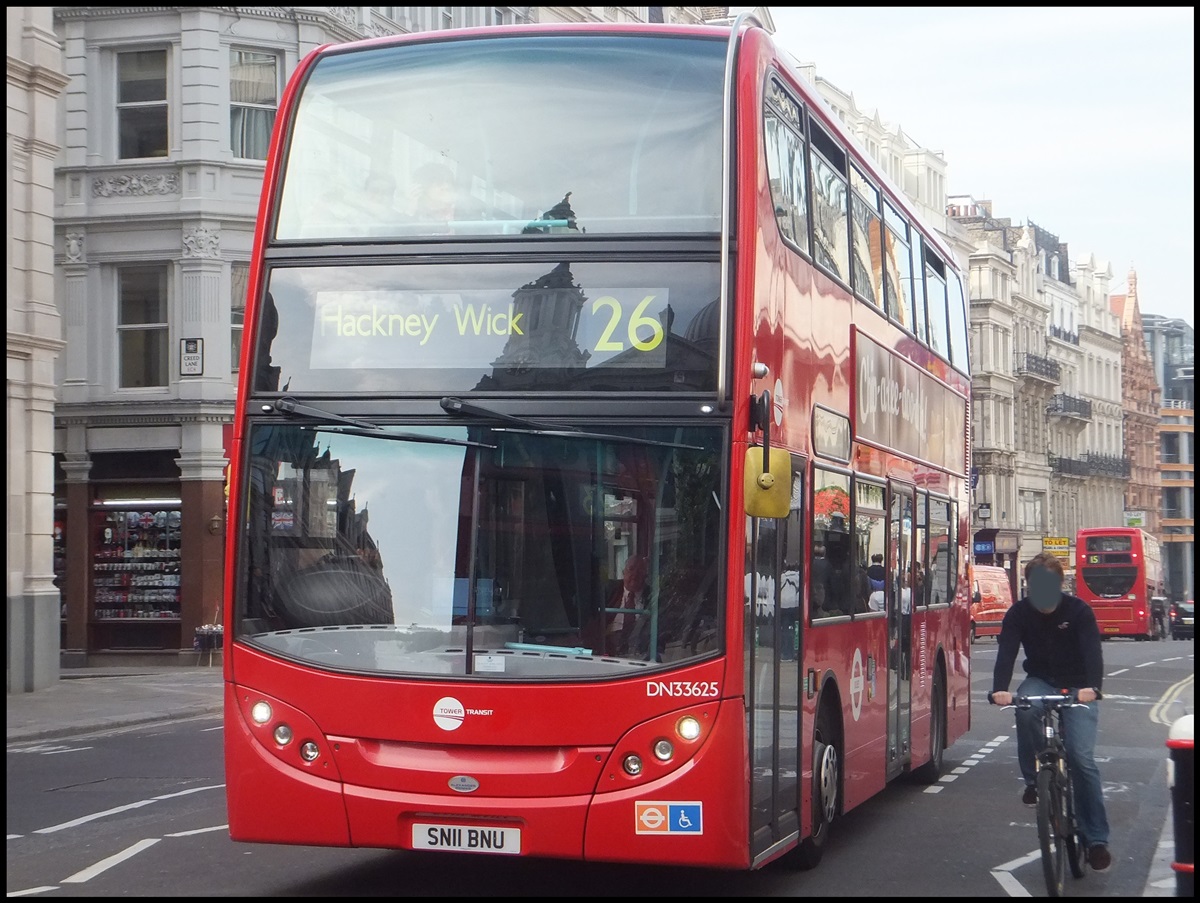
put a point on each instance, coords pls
(136, 568)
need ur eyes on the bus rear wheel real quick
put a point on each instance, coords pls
(827, 782)
(932, 770)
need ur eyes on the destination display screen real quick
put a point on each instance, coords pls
(595, 327)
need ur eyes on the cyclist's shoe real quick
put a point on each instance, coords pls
(1029, 797)
(1098, 857)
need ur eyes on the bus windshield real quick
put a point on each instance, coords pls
(468, 138)
(498, 552)
(1109, 582)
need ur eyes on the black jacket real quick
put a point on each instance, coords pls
(1062, 648)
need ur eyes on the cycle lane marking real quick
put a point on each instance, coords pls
(973, 759)
(1008, 881)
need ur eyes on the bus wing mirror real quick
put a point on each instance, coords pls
(768, 492)
(768, 486)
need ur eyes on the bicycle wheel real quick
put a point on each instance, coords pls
(1076, 851)
(1050, 820)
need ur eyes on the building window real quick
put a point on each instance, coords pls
(253, 96)
(239, 278)
(1032, 511)
(142, 326)
(142, 104)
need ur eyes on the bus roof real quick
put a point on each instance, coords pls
(642, 29)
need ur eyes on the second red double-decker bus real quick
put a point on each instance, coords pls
(1118, 570)
(599, 483)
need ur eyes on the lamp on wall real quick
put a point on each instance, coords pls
(216, 525)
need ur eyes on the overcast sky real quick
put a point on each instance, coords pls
(1079, 120)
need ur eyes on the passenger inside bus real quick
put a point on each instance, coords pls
(631, 599)
(819, 581)
(847, 587)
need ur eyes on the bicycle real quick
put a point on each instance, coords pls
(1058, 831)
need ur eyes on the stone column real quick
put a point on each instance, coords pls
(202, 491)
(77, 466)
(33, 341)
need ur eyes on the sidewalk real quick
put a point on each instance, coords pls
(95, 699)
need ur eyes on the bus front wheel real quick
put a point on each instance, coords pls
(827, 781)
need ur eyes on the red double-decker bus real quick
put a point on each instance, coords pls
(588, 371)
(1118, 570)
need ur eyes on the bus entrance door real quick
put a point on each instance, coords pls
(899, 632)
(774, 643)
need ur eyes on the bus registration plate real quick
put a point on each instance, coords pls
(467, 838)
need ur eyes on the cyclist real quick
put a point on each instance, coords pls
(1158, 612)
(1062, 649)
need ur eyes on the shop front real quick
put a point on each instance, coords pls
(139, 557)
(1001, 549)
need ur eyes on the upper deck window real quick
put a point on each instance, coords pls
(520, 136)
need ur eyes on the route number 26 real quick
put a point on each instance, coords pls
(637, 321)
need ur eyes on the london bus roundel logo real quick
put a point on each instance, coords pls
(448, 713)
(779, 402)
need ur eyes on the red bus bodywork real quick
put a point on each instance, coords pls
(367, 761)
(1118, 570)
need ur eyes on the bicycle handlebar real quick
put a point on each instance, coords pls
(1066, 699)
(1050, 702)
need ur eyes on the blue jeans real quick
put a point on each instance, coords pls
(1081, 728)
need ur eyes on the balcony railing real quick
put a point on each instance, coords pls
(1107, 465)
(1070, 406)
(1029, 364)
(1071, 467)
(1062, 335)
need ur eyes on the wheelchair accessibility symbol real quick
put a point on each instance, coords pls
(657, 817)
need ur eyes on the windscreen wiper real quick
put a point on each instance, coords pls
(292, 408)
(289, 406)
(452, 405)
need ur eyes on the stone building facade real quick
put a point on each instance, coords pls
(1101, 497)
(1140, 396)
(1172, 346)
(1046, 358)
(34, 340)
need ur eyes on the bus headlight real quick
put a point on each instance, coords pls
(282, 734)
(260, 712)
(632, 764)
(663, 750)
(309, 751)
(688, 728)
